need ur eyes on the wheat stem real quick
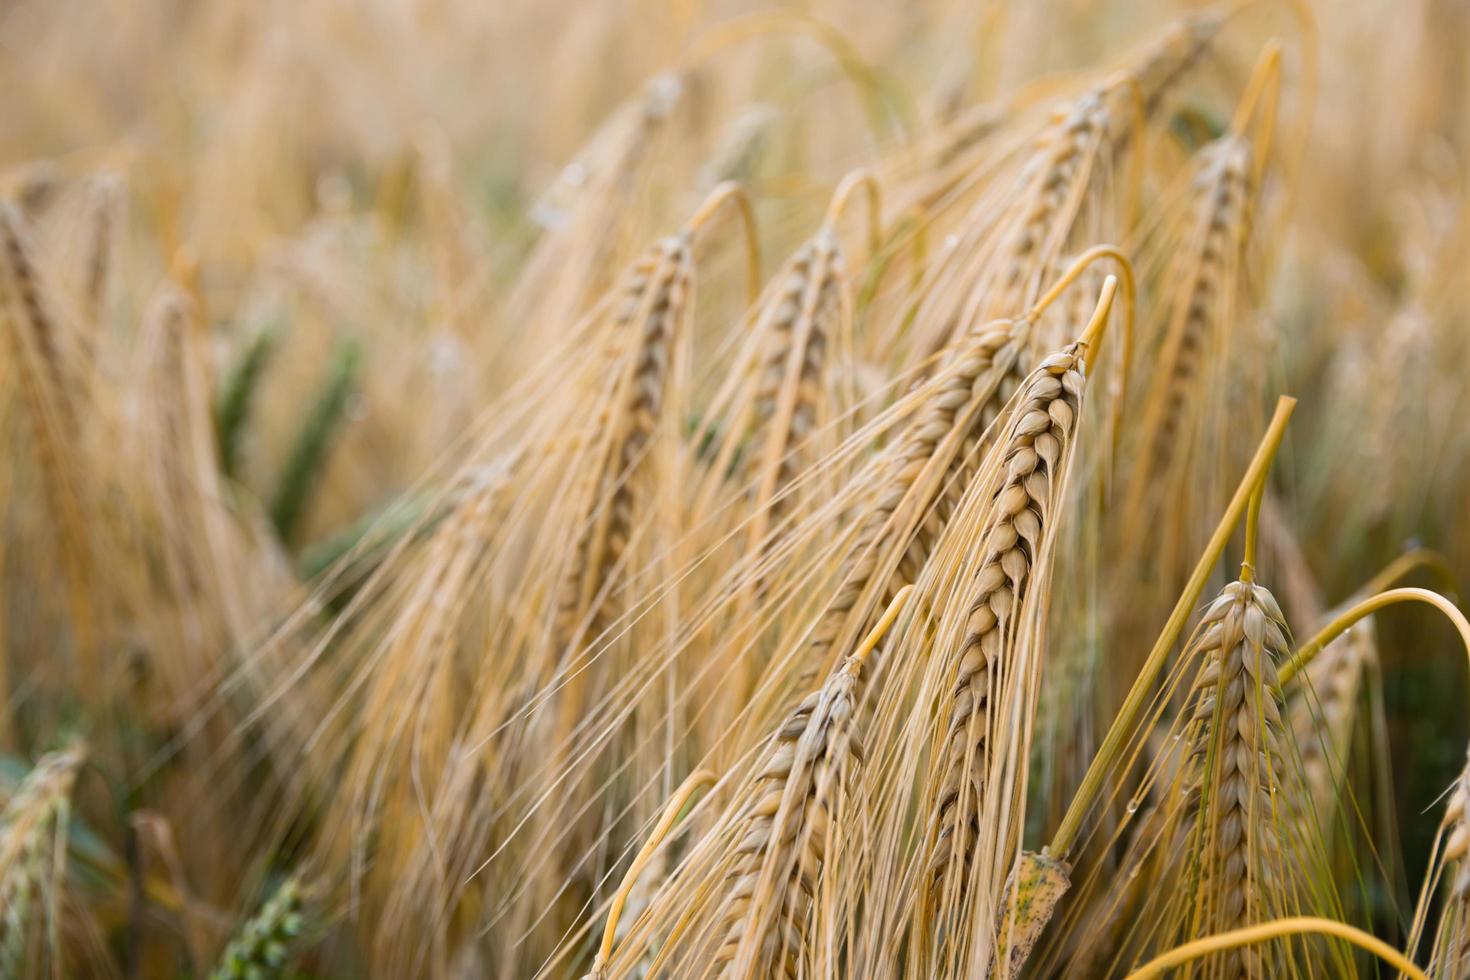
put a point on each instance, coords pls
(859, 180)
(731, 192)
(1296, 925)
(698, 780)
(1367, 607)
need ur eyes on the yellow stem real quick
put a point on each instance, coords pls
(1367, 607)
(1267, 72)
(1121, 730)
(699, 779)
(1092, 335)
(1275, 930)
(1130, 296)
(731, 192)
(876, 634)
(1252, 534)
(860, 180)
(1079, 266)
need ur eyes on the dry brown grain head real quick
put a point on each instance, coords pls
(1239, 759)
(778, 397)
(647, 321)
(774, 417)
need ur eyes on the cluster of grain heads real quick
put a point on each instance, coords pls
(260, 949)
(33, 855)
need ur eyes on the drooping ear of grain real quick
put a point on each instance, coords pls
(986, 678)
(648, 319)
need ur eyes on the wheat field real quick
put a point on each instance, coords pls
(619, 489)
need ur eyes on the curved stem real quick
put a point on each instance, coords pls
(876, 634)
(699, 779)
(1275, 930)
(1267, 72)
(1130, 295)
(865, 181)
(1079, 266)
(732, 192)
(1092, 334)
(1121, 730)
(1340, 624)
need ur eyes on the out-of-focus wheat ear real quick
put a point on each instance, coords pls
(1208, 271)
(806, 320)
(648, 322)
(742, 146)
(1163, 63)
(260, 950)
(36, 330)
(49, 396)
(33, 845)
(1324, 707)
(105, 205)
